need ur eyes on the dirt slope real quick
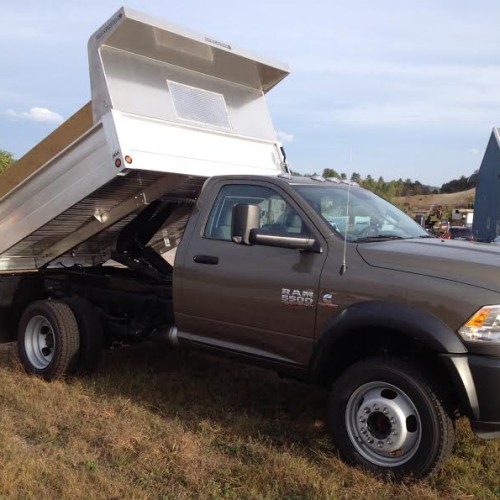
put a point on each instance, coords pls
(424, 202)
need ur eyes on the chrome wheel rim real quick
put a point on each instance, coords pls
(383, 424)
(39, 342)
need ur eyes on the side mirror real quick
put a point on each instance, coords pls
(245, 229)
(245, 218)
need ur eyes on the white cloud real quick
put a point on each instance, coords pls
(284, 136)
(40, 115)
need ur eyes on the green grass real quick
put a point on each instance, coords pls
(161, 423)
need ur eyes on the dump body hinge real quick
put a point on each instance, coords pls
(132, 247)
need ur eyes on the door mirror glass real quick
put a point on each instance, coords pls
(245, 218)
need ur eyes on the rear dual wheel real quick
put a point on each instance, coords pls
(91, 334)
(57, 338)
(48, 339)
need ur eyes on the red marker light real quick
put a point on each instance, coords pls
(118, 163)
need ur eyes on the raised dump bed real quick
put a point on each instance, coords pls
(169, 108)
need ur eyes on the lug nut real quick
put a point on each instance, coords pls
(394, 433)
(389, 442)
(367, 410)
(393, 420)
(380, 445)
(362, 420)
(376, 407)
(385, 411)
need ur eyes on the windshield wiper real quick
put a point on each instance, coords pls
(379, 237)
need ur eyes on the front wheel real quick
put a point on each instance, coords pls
(385, 417)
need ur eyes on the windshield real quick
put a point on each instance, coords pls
(365, 218)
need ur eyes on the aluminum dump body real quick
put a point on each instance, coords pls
(169, 108)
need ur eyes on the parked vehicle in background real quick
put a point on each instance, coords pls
(458, 233)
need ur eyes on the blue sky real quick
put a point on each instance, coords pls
(411, 87)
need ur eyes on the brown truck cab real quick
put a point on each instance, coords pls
(328, 283)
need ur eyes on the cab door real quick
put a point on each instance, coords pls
(259, 300)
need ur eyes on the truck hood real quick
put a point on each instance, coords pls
(475, 264)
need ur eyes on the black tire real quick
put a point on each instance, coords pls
(385, 417)
(48, 340)
(91, 335)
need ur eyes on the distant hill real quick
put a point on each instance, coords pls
(419, 202)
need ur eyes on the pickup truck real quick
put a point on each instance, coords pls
(317, 279)
(404, 327)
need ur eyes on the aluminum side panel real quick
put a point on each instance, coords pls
(52, 190)
(46, 150)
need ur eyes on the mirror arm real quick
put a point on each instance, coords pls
(293, 242)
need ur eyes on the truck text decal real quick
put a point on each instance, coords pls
(297, 297)
(216, 42)
(108, 26)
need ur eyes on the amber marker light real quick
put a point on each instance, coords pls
(483, 326)
(128, 159)
(479, 318)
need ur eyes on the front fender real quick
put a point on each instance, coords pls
(403, 323)
(405, 320)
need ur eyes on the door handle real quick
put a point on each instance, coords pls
(206, 259)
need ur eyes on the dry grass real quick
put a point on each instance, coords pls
(162, 423)
(425, 202)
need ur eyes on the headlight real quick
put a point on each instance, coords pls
(484, 326)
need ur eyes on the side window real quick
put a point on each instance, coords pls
(276, 215)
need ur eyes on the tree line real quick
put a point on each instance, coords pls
(461, 184)
(396, 188)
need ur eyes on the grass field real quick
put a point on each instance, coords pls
(425, 202)
(161, 423)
